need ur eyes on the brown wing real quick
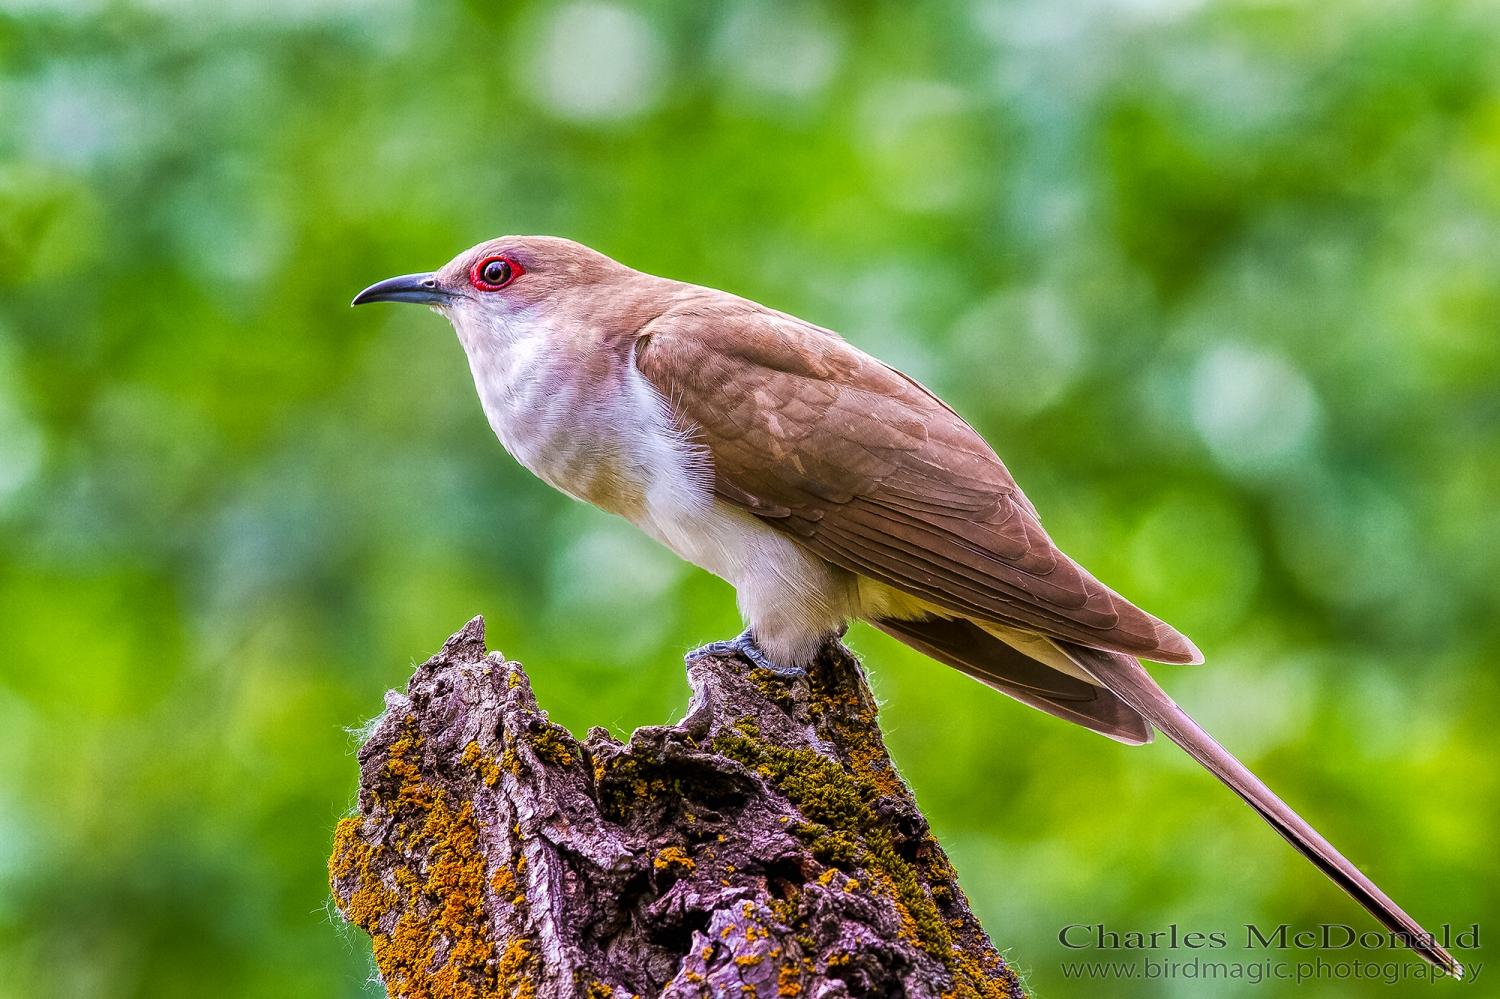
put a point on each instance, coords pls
(874, 473)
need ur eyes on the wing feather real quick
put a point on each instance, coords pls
(870, 470)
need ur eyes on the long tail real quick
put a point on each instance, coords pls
(1130, 681)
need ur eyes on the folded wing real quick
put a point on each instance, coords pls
(874, 473)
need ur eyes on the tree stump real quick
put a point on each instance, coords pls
(763, 847)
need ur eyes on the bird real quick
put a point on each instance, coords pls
(823, 484)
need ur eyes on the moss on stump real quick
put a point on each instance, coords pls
(764, 846)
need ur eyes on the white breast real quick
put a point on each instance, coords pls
(541, 415)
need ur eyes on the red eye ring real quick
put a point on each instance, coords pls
(494, 273)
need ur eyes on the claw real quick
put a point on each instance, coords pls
(745, 647)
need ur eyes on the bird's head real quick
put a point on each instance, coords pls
(504, 282)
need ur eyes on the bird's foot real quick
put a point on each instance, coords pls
(744, 646)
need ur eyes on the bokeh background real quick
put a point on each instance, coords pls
(1220, 279)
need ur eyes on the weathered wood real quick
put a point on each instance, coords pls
(764, 846)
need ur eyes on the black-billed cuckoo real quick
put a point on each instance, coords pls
(824, 485)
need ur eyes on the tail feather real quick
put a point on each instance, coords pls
(1128, 679)
(970, 649)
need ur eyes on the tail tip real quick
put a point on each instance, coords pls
(1443, 961)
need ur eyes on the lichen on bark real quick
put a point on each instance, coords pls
(763, 846)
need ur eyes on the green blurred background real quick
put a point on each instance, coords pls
(1220, 281)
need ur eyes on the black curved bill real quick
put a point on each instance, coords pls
(420, 288)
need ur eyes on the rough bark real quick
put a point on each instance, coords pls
(764, 846)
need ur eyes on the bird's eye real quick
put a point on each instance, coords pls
(494, 273)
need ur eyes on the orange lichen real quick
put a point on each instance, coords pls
(668, 856)
(370, 899)
(439, 946)
(516, 981)
(482, 764)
